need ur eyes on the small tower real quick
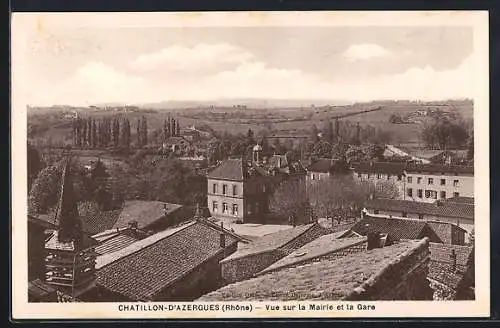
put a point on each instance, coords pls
(70, 255)
(257, 154)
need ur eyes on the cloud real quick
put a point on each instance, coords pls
(364, 51)
(248, 77)
(197, 58)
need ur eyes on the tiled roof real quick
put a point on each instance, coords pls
(323, 280)
(425, 153)
(116, 243)
(322, 246)
(445, 209)
(143, 274)
(269, 242)
(395, 228)
(379, 167)
(145, 212)
(230, 169)
(439, 168)
(444, 230)
(440, 266)
(460, 200)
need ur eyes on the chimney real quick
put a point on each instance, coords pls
(222, 239)
(133, 225)
(373, 239)
(453, 257)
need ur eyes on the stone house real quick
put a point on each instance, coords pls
(264, 251)
(327, 247)
(238, 190)
(365, 275)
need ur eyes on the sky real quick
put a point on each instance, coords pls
(91, 65)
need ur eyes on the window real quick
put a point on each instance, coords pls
(443, 182)
(409, 192)
(456, 194)
(224, 208)
(399, 177)
(419, 180)
(359, 175)
(409, 179)
(405, 214)
(443, 194)
(455, 183)
(430, 181)
(378, 175)
(420, 216)
(375, 212)
(264, 188)
(256, 208)
(313, 176)
(235, 190)
(368, 175)
(224, 189)
(427, 194)
(215, 207)
(419, 193)
(235, 209)
(434, 194)
(214, 188)
(388, 176)
(249, 209)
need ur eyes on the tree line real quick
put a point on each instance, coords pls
(116, 131)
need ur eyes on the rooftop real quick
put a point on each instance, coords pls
(324, 280)
(149, 270)
(442, 209)
(439, 169)
(460, 200)
(440, 266)
(395, 228)
(230, 169)
(145, 212)
(269, 242)
(322, 246)
(113, 244)
(379, 167)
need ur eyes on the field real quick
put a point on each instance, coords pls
(53, 125)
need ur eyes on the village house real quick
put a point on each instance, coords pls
(178, 264)
(451, 272)
(262, 252)
(459, 214)
(427, 183)
(322, 168)
(420, 182)
(396, 229)
(239, 190)
(396, 272)
(326, 247)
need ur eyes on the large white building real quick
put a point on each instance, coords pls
(420, 182)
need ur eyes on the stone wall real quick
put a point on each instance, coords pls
(245, 267)
(404, 278)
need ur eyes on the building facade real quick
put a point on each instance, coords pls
(420, 182)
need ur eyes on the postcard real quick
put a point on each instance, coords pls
(250, 165)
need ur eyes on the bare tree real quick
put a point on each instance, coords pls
(290, 200)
